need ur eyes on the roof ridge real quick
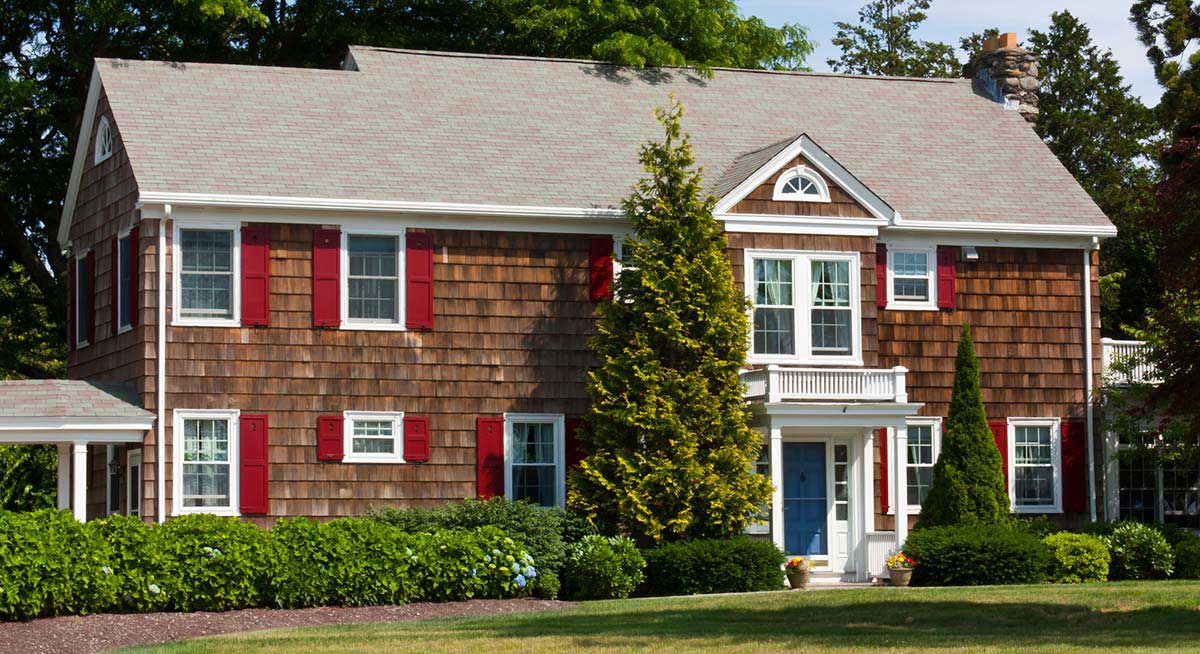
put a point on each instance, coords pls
(566, 60)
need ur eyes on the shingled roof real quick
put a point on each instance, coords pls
(69, 398)
(496, 130)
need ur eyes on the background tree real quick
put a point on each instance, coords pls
(883, 43)
(1103, 134)
(669, 443)
(968, 482)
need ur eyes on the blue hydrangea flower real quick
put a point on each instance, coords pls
(495, 552)
(107, 571)
(473, 573)
(516, 567)
(521, 581)
(529, 572)
(154, 589)
(487, 557)
(528, 558)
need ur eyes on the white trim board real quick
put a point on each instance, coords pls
(81, 150)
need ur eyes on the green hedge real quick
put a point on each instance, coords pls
(1187, 558)
(704, 566)
(603, 568)
(1138, 551)
(1077, 558)
(50, 564)
(972, 555)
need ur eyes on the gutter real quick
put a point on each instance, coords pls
(1087, 379)
(160, 479)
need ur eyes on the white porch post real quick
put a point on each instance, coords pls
(64, 476)
(79, 466)
(900, 483)
(868, 481)
(776, 444)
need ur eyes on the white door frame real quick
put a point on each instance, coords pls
(853, 486)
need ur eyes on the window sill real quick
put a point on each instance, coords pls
(124, 329)
(761, 359)
(911, 306)
(358, 458)
(211, 510)
(205, 322)
(81, 344)
(372, 326)
(1037, 509)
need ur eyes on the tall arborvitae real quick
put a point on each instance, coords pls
(668, 441)
(968, 482)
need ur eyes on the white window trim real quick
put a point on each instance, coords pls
(912, 305)
(232, 416)
(560, 444)
(118, 268)
(1055, 425)
(802, 306)
(103, 127)
(349, 323)
(397, 420)
(936, 424)
(81, 339)
(133, 495)
(788, 175)
(179, 320)
(111, 504)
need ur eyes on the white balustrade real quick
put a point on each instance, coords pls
(780, 384)
(1129, 358)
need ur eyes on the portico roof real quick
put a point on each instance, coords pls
(59, 410)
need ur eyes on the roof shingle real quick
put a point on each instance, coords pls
(69, 398)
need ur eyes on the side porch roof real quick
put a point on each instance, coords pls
(60, 410)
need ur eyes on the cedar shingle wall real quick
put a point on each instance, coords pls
(104, 208)
(511, 323)
(840, 205)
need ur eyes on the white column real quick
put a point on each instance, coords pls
(900, 482)
(868, 481)
(776, 444)
(79, 466)
(64, 476)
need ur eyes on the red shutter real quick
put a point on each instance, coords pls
(256, 276)
(329, 438)
(574, 453)
(418, 280)
(884, 477)
(881, 290)
(416, 438)
(489, 452)
(600, 268)
(91, 296)
(252, 428)
(135, 298)
(72, 299)
(1000, 433)
(1074, 466)
(113, 284)
(945, 277)
(326, 281)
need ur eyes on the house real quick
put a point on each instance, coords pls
(324, 290)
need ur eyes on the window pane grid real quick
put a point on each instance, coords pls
(774, 313)
(534, 464)
(920, 463)
(206, 464)
(373, 279)
(1033, 466)
(831, 313)
(373, 437)
(206, 273)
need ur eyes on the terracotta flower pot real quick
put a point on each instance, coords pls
(798, 578)
(900, 576)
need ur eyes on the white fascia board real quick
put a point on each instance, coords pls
(55, 423)
(967, 227)
(836, 414)
(806, 147)
(89, 117)
(772, 224)
(86, 436)
(901, 238)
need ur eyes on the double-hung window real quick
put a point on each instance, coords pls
(205, 461)
(83, 301)
(1036, 465)
(912, 278)
(924, 445)
(206, 271)
(373, 437)
(534, 462)
(124, 281)
(373, 285)
(805, 307)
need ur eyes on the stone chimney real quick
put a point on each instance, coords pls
(1008, 73)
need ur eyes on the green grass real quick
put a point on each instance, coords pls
(1129, 617)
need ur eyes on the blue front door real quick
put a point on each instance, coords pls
(804, 499)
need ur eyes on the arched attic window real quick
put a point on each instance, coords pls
(104, 140)
(801, 184)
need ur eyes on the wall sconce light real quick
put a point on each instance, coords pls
(970, 253)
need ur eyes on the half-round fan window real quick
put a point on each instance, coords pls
(801, 184)
(104, 140)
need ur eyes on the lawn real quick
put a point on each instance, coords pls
(1130, 617)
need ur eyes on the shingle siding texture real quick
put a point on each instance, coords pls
(430, 127)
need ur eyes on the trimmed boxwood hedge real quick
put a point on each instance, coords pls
(975, 555)
(728, 565)
(1077, 558)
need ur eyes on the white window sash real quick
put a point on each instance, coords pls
(802, 306)
(83, 301)
(936, 425)
(396, 419)
(179, 317)
(231, 416)
(133, 491)
(558, 420)
(401, 258)
(930, 276)
(124, 293)
(1055, 463)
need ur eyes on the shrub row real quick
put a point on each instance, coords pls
(704, 566)
(52, 565)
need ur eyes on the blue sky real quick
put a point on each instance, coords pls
(951, 19)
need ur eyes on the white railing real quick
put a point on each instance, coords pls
(780, 384)
(880, 545)
(1130, 356)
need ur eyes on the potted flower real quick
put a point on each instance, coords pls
(798, 569)
(900, 569)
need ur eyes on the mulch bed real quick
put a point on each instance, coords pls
(97, 633)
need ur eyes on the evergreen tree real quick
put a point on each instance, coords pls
(882, 43)
(968, 483)
(669, 444)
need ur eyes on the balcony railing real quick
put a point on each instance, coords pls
(782, 384)
(1130, 358)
